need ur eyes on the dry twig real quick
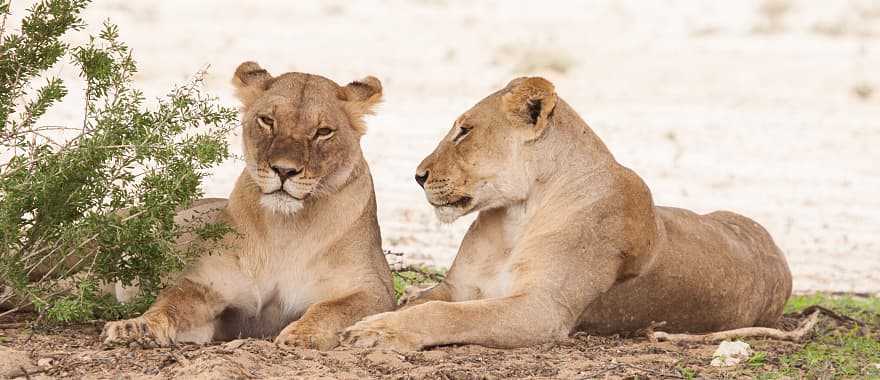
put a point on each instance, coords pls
(830, 313)
(795, 335)
(22, 372)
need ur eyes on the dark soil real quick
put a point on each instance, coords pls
(75, 352)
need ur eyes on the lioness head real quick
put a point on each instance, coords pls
(301, 132)
(480, 164)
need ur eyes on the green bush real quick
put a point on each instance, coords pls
(85, 211)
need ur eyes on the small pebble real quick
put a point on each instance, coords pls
(389, 359)
(434, 355)
(309, 354)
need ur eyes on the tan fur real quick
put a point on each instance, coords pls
(568, 239)
(306, 258)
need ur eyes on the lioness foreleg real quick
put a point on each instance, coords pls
(321, 324)
(185, 308)
(514, 321)
(545, 304)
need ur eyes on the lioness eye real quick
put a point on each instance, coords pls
(321, 132)
(462, 132)
(266, 122)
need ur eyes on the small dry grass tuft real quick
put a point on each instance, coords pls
(534, 60)
(859, 18)
(863, 90)
(772, 16)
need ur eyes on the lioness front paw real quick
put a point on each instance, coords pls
(140, 331)
(304, 336)
(382, 331)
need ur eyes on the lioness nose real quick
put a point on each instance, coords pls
(422, 178)
(285, 173)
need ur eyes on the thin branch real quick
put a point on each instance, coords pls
(51, 251)
(27, 302)
(795, 335)
(20, 132)
(832, 314)
(72, 267)
(129, 146)
(3, 22)
(10, 311)
(54, 128)
(88, 96)
(47, 138)
(21, 372)
(660, 375)
(80, 246)
(42, 248)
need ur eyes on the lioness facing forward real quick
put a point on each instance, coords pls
(307, 252)
(567, 238)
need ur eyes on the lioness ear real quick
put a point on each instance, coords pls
(250, 80)
(530, 101)
(358, 98)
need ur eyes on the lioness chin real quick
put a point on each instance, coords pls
(306, 258)
(568, 239)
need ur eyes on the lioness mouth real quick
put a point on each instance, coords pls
(282, 192)
(461, 202)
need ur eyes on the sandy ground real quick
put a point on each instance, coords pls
(770, 108)
(74, 352)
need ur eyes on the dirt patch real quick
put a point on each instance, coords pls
(75, 352)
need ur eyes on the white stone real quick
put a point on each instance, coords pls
(730, 353)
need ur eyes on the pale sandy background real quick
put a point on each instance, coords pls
(768, 108)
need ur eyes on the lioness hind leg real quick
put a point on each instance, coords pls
(771, 267)
(185, 311)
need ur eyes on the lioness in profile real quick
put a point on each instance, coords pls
(306, 259)
(568, 239)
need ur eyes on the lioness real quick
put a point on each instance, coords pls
(568, 239)
(307, 252)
